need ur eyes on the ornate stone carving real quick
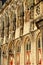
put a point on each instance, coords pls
(38, 9)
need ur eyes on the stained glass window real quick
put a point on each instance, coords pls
(21, 20)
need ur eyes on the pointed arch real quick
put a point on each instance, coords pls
(27, 43)
(18, 52)
(38, 48)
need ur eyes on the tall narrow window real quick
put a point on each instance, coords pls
(39, 51)
(39, 43)
(14, 23)
(27, 53)
(28, 47)
(21, 20)
(8, 25)
(18, 49)
(11, 58)
(3, 30)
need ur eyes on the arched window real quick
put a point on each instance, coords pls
(11, 58)
(18, 50)
(21, 19)
(28, 47)
(28, 53)
(39, 50)
(14, 23)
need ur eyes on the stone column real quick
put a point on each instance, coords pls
(33, 48)
(22, 52)
(6, 29)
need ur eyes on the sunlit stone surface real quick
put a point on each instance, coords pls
(21, 32)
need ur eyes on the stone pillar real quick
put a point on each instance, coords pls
(22, 53)
(6, 29)
(33, 49)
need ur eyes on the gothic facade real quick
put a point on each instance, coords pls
(21, 32)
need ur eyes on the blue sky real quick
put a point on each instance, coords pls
(3, 1)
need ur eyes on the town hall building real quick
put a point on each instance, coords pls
(21, 32)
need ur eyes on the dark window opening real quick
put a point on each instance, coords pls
(30, 46)
(18, 49)
(2, 35)
(3, 1)
(14, 23)
(39, 43)
(27, 47)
